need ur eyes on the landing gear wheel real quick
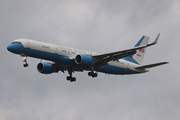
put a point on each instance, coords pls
(90, 73)
(73, 79)
(95, 74)
(68, 78)
(25, 64)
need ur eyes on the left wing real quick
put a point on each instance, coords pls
(102, 59)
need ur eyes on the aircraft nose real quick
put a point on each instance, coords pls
(10, 48)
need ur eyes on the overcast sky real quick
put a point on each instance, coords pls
(98, 26)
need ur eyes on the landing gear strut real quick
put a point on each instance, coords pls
(70, 78)
(24, 60)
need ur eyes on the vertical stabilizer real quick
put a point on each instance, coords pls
(138, 57)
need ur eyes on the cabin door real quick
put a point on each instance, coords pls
(28, 45)
(56, 50)
(128, 66)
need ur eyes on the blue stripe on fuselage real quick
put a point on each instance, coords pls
(64, 60)
(19, 49)
(115, 70)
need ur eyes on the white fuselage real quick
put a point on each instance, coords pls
(72, 53)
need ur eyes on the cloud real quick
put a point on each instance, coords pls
(94, 25)
(78, 11)
(176, 7)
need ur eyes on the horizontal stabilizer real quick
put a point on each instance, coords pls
(151, 65)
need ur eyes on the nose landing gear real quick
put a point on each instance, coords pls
(24, 60)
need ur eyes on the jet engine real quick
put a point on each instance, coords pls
(83, 60)
(46, 68)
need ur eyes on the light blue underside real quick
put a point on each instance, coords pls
(64, 60)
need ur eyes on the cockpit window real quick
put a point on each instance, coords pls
(16, 42)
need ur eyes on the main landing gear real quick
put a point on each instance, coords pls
(24, 60)
(70, 78)
(92, 74)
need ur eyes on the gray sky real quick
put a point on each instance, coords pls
(97, 26)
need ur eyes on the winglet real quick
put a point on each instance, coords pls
(156, 40)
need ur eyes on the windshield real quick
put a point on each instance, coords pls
(16, 42)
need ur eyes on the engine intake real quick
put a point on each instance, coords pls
(46, 68)
(83, 60)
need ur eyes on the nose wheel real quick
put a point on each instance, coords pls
(24, 60)
(25, 64)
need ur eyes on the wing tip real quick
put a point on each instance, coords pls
(156, 40)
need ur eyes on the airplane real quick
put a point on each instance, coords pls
(63, 59)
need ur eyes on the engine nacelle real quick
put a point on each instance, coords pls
(45, 68)
(83, 60)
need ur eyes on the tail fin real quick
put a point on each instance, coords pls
(138, 57)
